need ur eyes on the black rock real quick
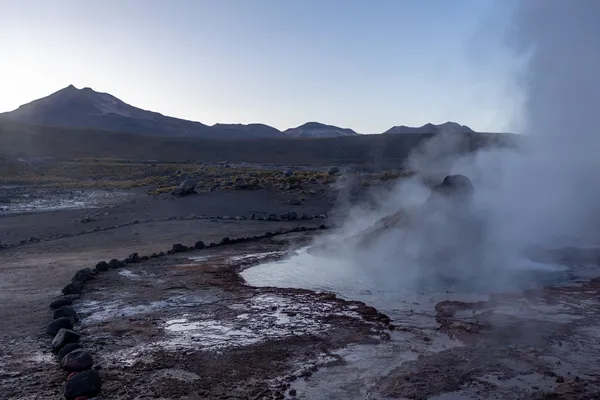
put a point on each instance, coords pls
(179, 248)
(57, 324)
(225, 240)
(76, 361)
(114, 263)
(73, 288)
(290, 216)
(67, 349)
(65, 311)
(61, 301)
(199, 245)
(102, 266)
(64, 337)
(83, 275)
(161, 254)
(84, 384)
(153, 255)
(133, 258)
(322, 226)
(273, 217)
(144, 258)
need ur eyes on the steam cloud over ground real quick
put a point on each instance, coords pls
(545, 193)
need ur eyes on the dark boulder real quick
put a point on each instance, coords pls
(102, 266)
(144, 258)
(333, 170)
(186, 187)
(76, 361)
(60, 302)
(179, 248)
(67, 349)
(84, 384)
(83, 275)
(290, 216)
(114, 263)
(455, 185)
(73, 288)
(161, 254)
(65, 311)
(273, 217)
(57, 324)
(153, 255)
(64, 337)
(199, 245)
(225, 240)
(133, 258)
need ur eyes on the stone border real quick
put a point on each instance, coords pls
(289, 216)
(83, 380)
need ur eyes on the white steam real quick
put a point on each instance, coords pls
(546, 193)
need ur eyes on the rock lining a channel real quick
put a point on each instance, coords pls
(83, 379)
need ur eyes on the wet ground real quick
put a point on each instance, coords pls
(188, 326)
(533, 344)
(24, 199)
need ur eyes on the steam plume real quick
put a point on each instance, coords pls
(545, 193)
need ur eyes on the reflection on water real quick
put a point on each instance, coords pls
(390, 289)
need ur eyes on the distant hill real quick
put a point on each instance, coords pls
(448, 127)
(318, 130)
(247, 131)
(86, 108)
(369, 151)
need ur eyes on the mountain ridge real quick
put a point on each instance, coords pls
(87, 108)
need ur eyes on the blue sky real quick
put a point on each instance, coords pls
(366, 65)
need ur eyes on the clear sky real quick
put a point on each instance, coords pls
(363, 64)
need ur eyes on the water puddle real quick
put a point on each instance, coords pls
(409, 305)
(32, 201)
